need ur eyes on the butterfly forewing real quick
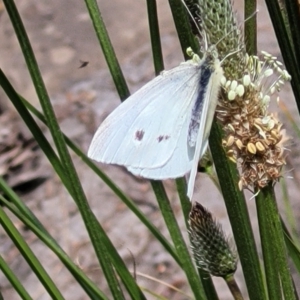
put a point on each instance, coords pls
(149, 128)
(161, 131)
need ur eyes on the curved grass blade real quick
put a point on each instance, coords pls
(292, 248)
(56, 164)
(90, 287)
(29, 256)
(12, 278)
(107, 49)
(128, 202)
(93, 227)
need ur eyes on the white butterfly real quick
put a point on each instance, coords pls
(162, 130)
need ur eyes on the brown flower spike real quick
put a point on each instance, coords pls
(253, 136)
(211, 249)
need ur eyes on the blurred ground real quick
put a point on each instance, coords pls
(62, 35)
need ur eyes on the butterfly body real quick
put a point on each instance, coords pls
(162, 130)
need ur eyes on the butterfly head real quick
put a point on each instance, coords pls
(211, 55)
(213, 52)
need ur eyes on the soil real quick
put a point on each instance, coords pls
(63, 38)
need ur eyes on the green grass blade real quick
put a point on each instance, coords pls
(128, 202)
(107, 49)
(183, 27)
(90, 288)
(12, 278)
(155, 36)
(184, 200)
(119, 264)
(286, 48)
(34, 128)
(29, 256)
(293, 250)
(290, 217)
(93, 227)
(293, 15)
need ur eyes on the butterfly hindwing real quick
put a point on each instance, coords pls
(207, 113)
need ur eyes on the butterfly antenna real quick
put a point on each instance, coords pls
(231, 53)
(240, 49)
(191, 15)
(220, 40)
(196, 24)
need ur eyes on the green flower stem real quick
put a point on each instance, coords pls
(205, 277)
(186, 204)
(250, 27)
(208, 285)
(107, 49)
(29, 256)
(14, 281)
(182, 251)
(269, 252)
(272, 277)
(234, 288)
(273, 245)
(238, 215)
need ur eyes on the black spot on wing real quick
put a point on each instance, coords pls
(163, 138)
(139, 134)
